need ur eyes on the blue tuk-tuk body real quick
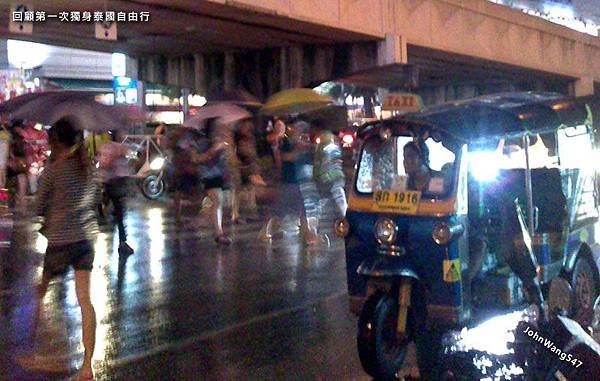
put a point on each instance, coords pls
(423, 259)
(508, 203)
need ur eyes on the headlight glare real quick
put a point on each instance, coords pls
(385, 231)
(157, 163)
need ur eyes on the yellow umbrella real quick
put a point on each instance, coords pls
(295, 101)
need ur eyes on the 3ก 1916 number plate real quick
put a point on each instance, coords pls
(397, 202)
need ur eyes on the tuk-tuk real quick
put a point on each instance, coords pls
(469, 205)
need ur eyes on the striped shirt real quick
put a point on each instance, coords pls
(67, 200)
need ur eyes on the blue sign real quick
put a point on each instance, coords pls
(125, 90)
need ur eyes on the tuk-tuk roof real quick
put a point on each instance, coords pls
(498, 115)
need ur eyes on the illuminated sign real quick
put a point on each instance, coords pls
(118, 64)
(405, 102)
(125, 90)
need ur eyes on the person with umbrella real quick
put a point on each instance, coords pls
(17, 160)
(182, 146)
(5, 139)
(246, 163)
(297, 190)
(114, 173)
(66, 200)
(212, 161)
(329, 169)
(217, 149)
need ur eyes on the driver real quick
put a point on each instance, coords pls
(416, 165)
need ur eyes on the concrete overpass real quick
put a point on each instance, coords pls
(266, 45)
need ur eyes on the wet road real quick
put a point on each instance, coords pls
(185, 308)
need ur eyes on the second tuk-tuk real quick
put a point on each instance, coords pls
(465, 205)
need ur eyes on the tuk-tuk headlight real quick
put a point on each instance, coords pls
(385, 231)
(443, 233)
(157, 163)
(341, 227)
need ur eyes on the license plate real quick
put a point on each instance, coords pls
(397, 202)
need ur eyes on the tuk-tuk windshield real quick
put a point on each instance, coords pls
(401, 163)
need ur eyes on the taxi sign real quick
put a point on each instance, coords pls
(405, 202)
(406, 102)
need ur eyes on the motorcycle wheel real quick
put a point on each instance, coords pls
(152, 189)
(585, 290)
(381, 353)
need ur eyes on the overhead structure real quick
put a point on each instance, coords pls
(266, 46)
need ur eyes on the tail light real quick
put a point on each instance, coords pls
(347, 140)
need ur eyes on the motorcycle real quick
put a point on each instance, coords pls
(152, 182)
(151, 165)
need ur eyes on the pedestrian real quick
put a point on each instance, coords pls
(297, 190)
(182, 148)
(211, 162)
(248, 167)
(304, 168)
(17, 161)
(329, 170)
(5, 139)
(114, 173)
(275, 138)
(159, 134)
(66, 200)
(36, 145)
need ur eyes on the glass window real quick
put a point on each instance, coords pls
(388, 165)
(575, 144)
(542, 152)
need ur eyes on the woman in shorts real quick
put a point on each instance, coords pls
(67, 199)
(211, 163)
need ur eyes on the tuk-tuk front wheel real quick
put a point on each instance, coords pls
(380, 351)
(152, 187)
(585, 289)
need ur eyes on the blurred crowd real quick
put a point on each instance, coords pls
(81, 178)
(23, 152)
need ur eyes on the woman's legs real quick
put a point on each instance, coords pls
(339, 196)
(216, 212)
(88, 320)
(310, 197)
(235, 204)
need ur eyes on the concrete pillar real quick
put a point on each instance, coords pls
(185, 106)
(283, 69)
(229, 72)
(296, 64)
(199, 74)
(392, 50)
(173, 71)
(583, 86)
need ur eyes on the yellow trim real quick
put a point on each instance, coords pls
(427, 207)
